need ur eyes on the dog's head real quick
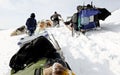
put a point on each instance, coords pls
(48, 23)
(42, 24)
(57, 69)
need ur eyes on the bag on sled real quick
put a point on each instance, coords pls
(86, 18)
(89, 26)
(34, 68)
(31, 52)
(104, 13)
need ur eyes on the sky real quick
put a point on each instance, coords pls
(14, 13)
(96, 53)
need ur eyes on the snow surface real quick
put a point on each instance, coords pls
(97, 53)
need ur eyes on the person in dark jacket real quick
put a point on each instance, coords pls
(31, 24)
(55, 18)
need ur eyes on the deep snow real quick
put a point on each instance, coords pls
(97, 53)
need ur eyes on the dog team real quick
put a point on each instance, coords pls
(33, 26)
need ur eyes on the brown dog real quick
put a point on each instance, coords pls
(57, 69)
(44, 24)
(18, 31)
(49, 23)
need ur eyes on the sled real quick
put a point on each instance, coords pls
(27, 39)
(31, 67)
(45, 33)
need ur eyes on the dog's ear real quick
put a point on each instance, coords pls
(47, 71)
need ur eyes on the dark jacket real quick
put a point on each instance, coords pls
(55, 17)
(31, 22)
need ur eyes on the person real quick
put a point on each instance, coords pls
(31, 24)
(55, 18)
(74, 19)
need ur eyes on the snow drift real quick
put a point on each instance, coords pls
(96, 53)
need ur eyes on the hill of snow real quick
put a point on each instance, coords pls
(97, 53)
